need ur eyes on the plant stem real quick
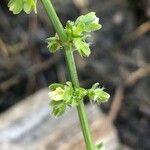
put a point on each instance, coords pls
(72, 71)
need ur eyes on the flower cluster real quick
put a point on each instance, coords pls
(16, 6)
(65, 96)
(77, 33)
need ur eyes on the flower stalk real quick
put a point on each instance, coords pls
(72, 71)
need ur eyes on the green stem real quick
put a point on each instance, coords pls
(72, 71)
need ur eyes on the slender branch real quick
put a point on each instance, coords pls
(72, 71)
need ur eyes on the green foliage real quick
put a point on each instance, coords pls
(65, 96)
(77, 33)
(16, 6)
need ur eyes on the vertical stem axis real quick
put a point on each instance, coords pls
(72, 71)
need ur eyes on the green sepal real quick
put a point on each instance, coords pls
(80, 94)
(90, 21)
(93, 27)
(53, 47)
(53, 43)
(98, 94)
(87, 19)
(82, 47)
(80, 28)
(103, 96)
(68, 93)
(55, 85)
(30, 5)
(58, 108)
(16, 6)
(69, 26)
(95, 85)
(69, 29)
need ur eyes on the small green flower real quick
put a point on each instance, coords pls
(82, 47)
(98, 94)
(16, 6)
(58, 108)
(53, 44)
(90, 21)
(63, 96)
(29, 6)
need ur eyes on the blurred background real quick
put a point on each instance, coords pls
(119, 61)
